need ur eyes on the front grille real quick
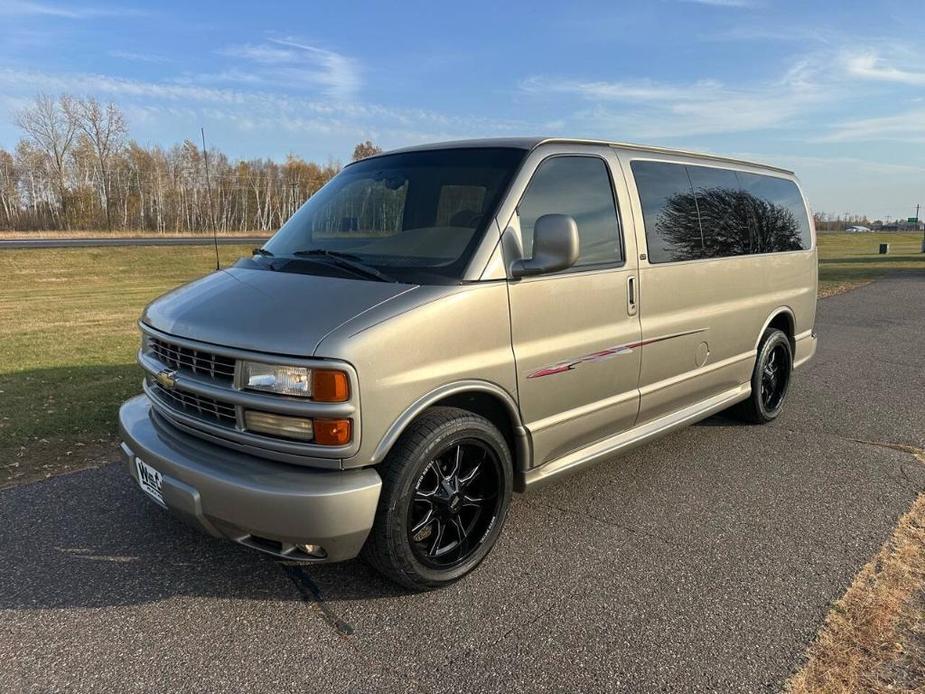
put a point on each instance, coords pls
(197, 405)
(197, 361)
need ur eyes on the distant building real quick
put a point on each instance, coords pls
(857, 228)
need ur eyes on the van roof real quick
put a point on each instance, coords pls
(532, 142)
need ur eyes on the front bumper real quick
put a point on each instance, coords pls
(270, 506)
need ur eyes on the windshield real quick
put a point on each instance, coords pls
(416, 216)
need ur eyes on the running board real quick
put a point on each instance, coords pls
(627, 440)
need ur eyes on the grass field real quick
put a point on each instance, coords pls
(67, 346)
(848, 260)
(68, 336)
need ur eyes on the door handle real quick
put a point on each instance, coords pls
(631, 300)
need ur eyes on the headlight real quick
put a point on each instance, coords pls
(285, 380)
(322, 385)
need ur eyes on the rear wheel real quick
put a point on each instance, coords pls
(770, 379)
(446, 487)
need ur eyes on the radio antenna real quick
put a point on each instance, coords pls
(205, 158)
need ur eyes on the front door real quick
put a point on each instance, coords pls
(575, 333)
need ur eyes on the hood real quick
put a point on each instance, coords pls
(264, 311)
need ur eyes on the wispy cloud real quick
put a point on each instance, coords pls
(871, 65)
(771, 33)
(726, 3)
(261, 53)
(630, 91)
(908, 126)
(803, 162)
(259, 108)
(292, 63)
(824, 79)
(139, 57)
(93, 83)
(70, 11)
(662, 109)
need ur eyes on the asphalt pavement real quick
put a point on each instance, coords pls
(703, 562)
(201, 240)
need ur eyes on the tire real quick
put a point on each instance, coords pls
(449, 479)
(770, 379)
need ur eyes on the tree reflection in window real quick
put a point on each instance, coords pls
(721, 222)
(775, 227)
(693, 212)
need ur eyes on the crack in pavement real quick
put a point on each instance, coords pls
(915, 451)
(543, 611)
(604, 521)
(311, 594)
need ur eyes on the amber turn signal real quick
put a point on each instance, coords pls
(332, 432)
(329, 386)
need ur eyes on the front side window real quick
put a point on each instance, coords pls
(579, 187)
(414, 216)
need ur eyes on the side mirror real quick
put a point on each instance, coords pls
(555, 246)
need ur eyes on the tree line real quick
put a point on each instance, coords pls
(829, 222)
(76, 168)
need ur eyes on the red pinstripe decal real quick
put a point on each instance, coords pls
(609, 353)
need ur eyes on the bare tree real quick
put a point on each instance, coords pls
(80, 172)
(52, 131)
(9, 184)
(365, 149)
(105, 130)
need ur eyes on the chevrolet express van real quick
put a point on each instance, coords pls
(441, 326)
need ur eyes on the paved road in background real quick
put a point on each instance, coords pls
(704, 561)
(129, 241)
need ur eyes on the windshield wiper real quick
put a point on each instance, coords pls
(347, 261)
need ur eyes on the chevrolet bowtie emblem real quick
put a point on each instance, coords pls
(166, 379)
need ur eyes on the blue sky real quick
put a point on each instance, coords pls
(833, 89)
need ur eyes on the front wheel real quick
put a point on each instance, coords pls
(770, 379)
(446, 487)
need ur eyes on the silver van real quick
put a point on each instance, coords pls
(443, 325)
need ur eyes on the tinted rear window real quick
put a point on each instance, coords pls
(670, 211)
(724, 212)
(779, 221)
(718, 213)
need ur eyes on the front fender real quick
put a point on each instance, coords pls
(522, 438)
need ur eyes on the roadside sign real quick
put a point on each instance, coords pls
(912, 220)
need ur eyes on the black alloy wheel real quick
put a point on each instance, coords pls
(455, 502)
(775, 377)
(446, 488)
(770, 379)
